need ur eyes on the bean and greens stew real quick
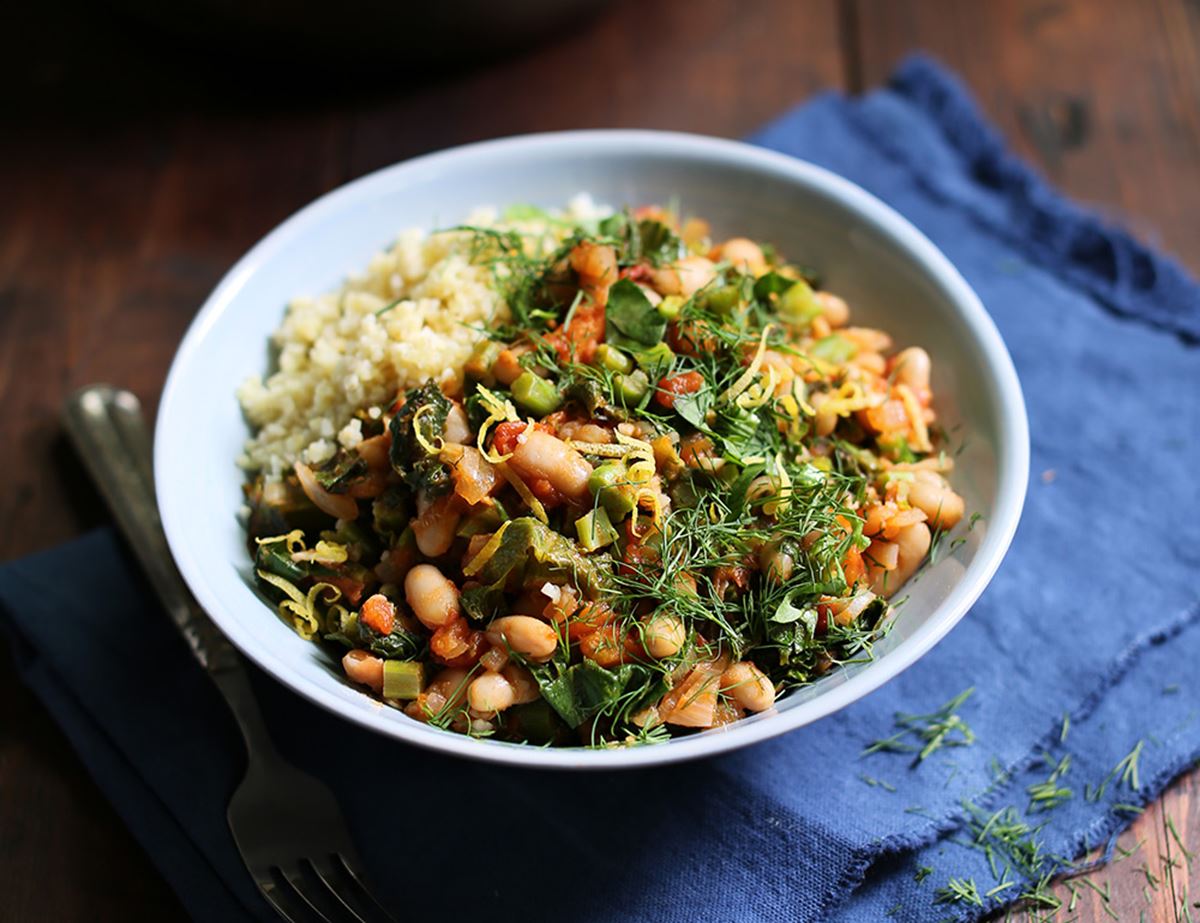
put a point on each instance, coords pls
(674, 483)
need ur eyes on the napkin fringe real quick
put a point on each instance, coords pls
(1125, 275)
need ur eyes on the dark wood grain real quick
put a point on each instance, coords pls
(1104, 95)
(136, 169)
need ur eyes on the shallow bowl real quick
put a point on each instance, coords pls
(892, 276)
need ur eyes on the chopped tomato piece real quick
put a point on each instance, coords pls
(639, 272)
(504, 437)
(580, 338)
(671, 388)
(456, 644)
(604, 646)
(887, 417)
(640, 552)
(352, 590)
(589, 619)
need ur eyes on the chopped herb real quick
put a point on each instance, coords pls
(1170, 825)
(941, 728)
(877, 783)
(959, 891)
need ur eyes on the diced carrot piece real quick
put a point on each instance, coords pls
(379, 614)
(853, 566)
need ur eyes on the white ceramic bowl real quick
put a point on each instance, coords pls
(890, 273)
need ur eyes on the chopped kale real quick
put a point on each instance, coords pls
(631, 319)
(414, 453)
(340, 471)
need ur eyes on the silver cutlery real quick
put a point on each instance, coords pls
(288, 826)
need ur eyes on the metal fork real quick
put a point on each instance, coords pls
(287, 825)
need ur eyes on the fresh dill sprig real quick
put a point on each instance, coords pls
(959, 891)
(1044, 796)
(877, 783)
(1038, 894)
(1126, 772)
(1003, 886)
(941, 728)
(1169, 823)
(1128, 808)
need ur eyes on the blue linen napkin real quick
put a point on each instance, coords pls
(1084, 645)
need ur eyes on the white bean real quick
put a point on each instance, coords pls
(365, 668)
(525, 687)
(930, 493)
(913, 368)
(538, 454)
(744, 253)
(339, 506)
(663, 635)
(490, 693)
(434, 529)
(912, 545)
(524, 634)
(432, 597)
(747, 685)
(695, 272)
(833, 309)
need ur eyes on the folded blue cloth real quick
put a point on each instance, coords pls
(1084, 645)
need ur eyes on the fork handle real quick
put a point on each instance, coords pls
(108, 430)
(110, 435)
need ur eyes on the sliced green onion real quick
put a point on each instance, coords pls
(537, 395)
(632, 387)
(402, 679)
(613, 359)
(657, 360)
(671, 306)
(833, 348)
(798, 305)
(595, 530)
(723, 300)
(609, 484)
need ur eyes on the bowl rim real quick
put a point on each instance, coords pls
(1012, 443)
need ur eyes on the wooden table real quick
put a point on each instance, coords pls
(131, 178)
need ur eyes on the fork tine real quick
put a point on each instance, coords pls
(294, 877)
(270, 889)
(349, 866)
(324, 874)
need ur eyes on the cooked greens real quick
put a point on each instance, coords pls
(672, 485)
